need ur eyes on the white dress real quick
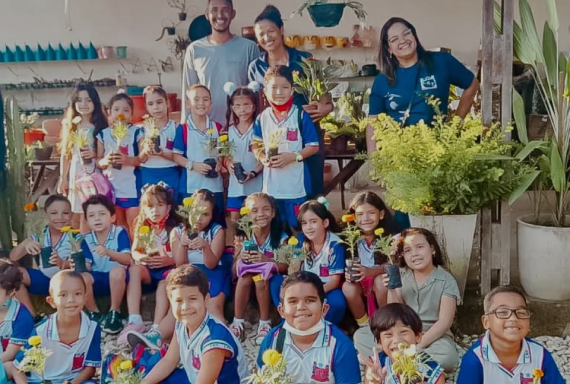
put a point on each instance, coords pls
(77, 169)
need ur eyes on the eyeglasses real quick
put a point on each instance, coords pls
(506, 313)
(243, 108)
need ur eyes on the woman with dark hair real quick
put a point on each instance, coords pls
(271, 37)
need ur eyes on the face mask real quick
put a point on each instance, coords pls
(311, 331)
(6, 304)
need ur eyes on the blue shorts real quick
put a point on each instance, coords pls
(170, 176)
(234, 204)
(102, 283)
(218, 278)
(219, 214)
(39, 283)
(126, 203)
(288, 210)
(156, 276)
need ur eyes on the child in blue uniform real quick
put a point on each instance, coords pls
(315, 350)
(109, 248)
(73, 339)
(36, 281)
(16, 322)
(296, 137)
(205, 251)
(392, 325)
(507, 321)
(111, 155)
(206, 348)
(157, 166)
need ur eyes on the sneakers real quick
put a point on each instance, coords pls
(112, 323)
(151, 339)
(237, 330)
(95, 316)
(139, 328)
(262, 330)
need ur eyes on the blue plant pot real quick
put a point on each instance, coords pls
(92, 52)
(81, 52)
(40, 54)
(29, 54)
(19, 54)
(8, 55)
(50, 53)
(60, 54)
(71, 53)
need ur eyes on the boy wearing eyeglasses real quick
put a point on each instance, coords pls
(504, 355)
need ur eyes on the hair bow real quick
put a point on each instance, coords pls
(323, 200)
(229, 88)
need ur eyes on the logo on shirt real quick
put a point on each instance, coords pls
(196, 362)
(169, 145)
(78, 361)
(320, 374)
(5, 343)
(428, 83)
(526, 380)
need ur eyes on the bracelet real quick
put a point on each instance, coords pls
(189, 165)
(255, 174)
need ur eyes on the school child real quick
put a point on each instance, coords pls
(314, 349)
(54, 242)
(83, 121)
(430, 290)
(16, 322)
(242, 111)
(159, 165)
(326, 255)
(371, 214)
(158, 213)
(119, 160)
(392, 325)
(284, 128)
(109, 248)
(73, 339)
(205, 251)
(203, 345)
(195, 149)
(258, 268)
(505, 354)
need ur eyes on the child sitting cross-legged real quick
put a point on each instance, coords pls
(73, 339)
(203, 345)
(504, 354)
(314, 349)
(396, 326)
(109, 248)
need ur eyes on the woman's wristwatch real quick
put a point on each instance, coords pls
(298, 157)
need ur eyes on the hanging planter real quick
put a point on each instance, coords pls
(182, 16)
(327, 15)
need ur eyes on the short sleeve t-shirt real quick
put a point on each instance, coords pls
(425, 300)
(481, 365)
(17, 326)
(244, 155)
(419, 82)
(63, 248)
(167, 135)
(196, 256)
(117, 240)
(330, 260)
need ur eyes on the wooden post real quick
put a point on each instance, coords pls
(496, 71)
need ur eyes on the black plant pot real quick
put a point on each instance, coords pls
(45, 255)
(43, 153)
(239, 171)
(182, 16)
(79, 261)
(171, 31)
(272, 152)
(212, 163)
(393, 272)
(350, 263)
(86, 161)
(156, 144)
(326, 15)
(117, 166)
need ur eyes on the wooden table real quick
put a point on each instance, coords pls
(344, 174)
(43, 181)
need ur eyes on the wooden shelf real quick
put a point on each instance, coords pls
(50, 86)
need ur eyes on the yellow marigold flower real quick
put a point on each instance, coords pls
(271, 357)
(75, 231)
(188, 202)
(210, 131)
(537, 373)
(66, 229)
(379, 231)
(244, 211)
(34, 341)
(292, 241)
(144, 230)
(30, 207)
(223, 138)
(120, 116)
(347, 218)
(126, 365)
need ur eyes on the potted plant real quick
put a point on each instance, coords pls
(31, 135)
(77, 256)
(35, 358)
(146, 241)
(245, 224)
(120, 131)
(409, 364)
(275, 139)
(546, 232)
(152, 133)
(191, 212)
(35, 225)
(443, 175)
(81, 137)
(274, 370)
(180, 5)
(226, 150)
(327, 14)
(383, 245)
(314, 81)
(351, 235)
(211, 147)
(345, 125)
(291, 255)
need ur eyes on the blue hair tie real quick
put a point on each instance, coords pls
(323, 200)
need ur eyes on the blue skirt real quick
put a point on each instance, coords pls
(170, 176)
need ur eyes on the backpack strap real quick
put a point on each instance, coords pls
(280, 343)
(185, 134)
(300, 123)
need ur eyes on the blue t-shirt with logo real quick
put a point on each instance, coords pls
(394, 100)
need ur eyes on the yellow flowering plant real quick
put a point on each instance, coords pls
(409, 365)
(351, 234)
(35, 357)
(120, 130)
(146, 241)
(75, 238)
(126, 373)
(274, 370)
(191, 212)
(537, 374)
(226, 147)
(35, 222)
(211, 143)
(383, 244)
(245, 223)
(274, 139)
(290, 254)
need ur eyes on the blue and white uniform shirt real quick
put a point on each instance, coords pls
(117, 240)
(211, 334)
(124, 180)
(244, 155)
(17, 326)
(329, 261)
(266, 247)
(196, 256)
(167, 136)
(480, 365)
(63, 248)
(288, 182)
(66, 360)
(192, 146)
(331, 359)
(366, 253)
(432, 371)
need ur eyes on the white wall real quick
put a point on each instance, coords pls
(455, 24)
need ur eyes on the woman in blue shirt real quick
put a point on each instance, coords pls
(409, 76)
(270, 36)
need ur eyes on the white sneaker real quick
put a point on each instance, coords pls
(237, 330)
(262, 331)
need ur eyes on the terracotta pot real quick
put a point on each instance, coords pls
(32, 135)
(339, 144)
(43, 153)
